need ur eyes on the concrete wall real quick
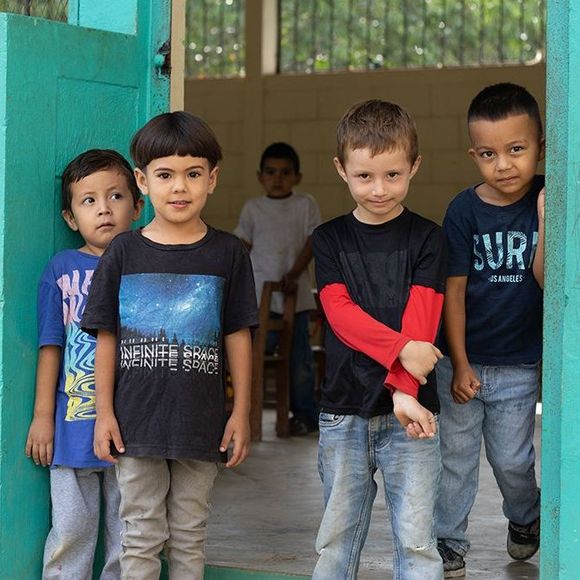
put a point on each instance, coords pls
(247, 114)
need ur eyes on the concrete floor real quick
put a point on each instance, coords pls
(266, 514)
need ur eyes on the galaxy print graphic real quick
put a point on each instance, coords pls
(79, 380)
(171, 322)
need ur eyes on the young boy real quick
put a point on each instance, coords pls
(493, 325)
(380, 273)
(100, 199)
(168, 302)
(277, 228)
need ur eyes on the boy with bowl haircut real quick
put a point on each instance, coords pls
(380, 274)
(277, 229)
(168, 303)
(488, 383)
(100, 199)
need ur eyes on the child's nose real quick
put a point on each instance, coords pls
(104, 208)
(504, 162)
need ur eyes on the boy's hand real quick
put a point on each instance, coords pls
(541, 204)
(289, 283)
(465, 384)
(237, 430)
(419, 359)
(106, 432)
(40, 441)
(418, 421)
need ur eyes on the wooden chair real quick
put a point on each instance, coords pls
(281, 360)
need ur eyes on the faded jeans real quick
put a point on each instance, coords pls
(164, 503)
(503, 414)
(351, 450)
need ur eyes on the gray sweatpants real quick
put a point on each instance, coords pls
(76, 505)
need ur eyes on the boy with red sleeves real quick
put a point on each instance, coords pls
(380, 272)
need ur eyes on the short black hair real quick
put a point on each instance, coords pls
(497, 102)
(178, 133)
(280, 150)
(90, 162)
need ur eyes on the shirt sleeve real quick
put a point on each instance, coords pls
(459, 234)
(241, 310)
(351, 324)
(50, 315)
(422, 314)
(245, 228)
(102, 309)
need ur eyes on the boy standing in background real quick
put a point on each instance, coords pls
(277, 228)
(100, 199)
(493, 325)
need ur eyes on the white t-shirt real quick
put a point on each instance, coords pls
(277, 229)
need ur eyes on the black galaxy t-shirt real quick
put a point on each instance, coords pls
(378, 264)
(170, 307)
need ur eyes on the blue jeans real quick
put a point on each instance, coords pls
(351, 450)
(503, 413)
(302, 380)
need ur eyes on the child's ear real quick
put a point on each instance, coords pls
(472, 153)
(340, 168)
(69, 218)
(298, 178)
(213, 175)
(415, 166)
(141, 180)
(138, 209)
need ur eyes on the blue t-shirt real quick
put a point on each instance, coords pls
(62, 295)
(494, 246)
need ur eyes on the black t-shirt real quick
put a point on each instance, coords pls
(494, 246)
(170, 307)
(378, 264)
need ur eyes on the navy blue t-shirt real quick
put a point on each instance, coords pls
(494, 246)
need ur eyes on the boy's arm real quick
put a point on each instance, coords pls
(301, 263)
(40, 440)
(106, 426)
(538, 264)
(238, 347)
(465, 382)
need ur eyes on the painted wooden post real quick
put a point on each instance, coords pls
(560, 552)
(63, 89)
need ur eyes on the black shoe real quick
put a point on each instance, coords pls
(523, 541)
(297, 427)
(453, 563)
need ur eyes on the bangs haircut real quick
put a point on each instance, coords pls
(93, 161)
(503, 100)
(378, 126)
(179, 133)
(281, 150)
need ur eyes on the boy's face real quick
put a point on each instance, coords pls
(378, 184)
(101, 207)
(278, 177)
(506, 153)
(178, 187)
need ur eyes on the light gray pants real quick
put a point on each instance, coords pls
(164, 503)
(76, 505)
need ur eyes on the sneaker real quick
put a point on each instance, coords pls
(453, 563)
(523, 541)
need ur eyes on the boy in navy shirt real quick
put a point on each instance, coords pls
(493, 325)
(100, 199)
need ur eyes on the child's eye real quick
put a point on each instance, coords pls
(194, 174)
(164, 175)
(88, 201)
(393, 174)
(363, 176)
(487, 154)
(517, 148)
(117, 195)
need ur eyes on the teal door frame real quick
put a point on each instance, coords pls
(63, 89)
(560, 541)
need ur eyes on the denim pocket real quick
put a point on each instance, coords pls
(330, 419)
(534, 365)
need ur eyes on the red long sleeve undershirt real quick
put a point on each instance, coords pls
(361, 332)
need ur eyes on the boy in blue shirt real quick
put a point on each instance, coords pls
(488, 384)
(100, 199)
(169, 302)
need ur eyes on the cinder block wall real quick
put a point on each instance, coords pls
(248, 114)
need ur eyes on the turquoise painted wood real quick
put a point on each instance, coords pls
(561, 386)
(218, 573)
(63, 89)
